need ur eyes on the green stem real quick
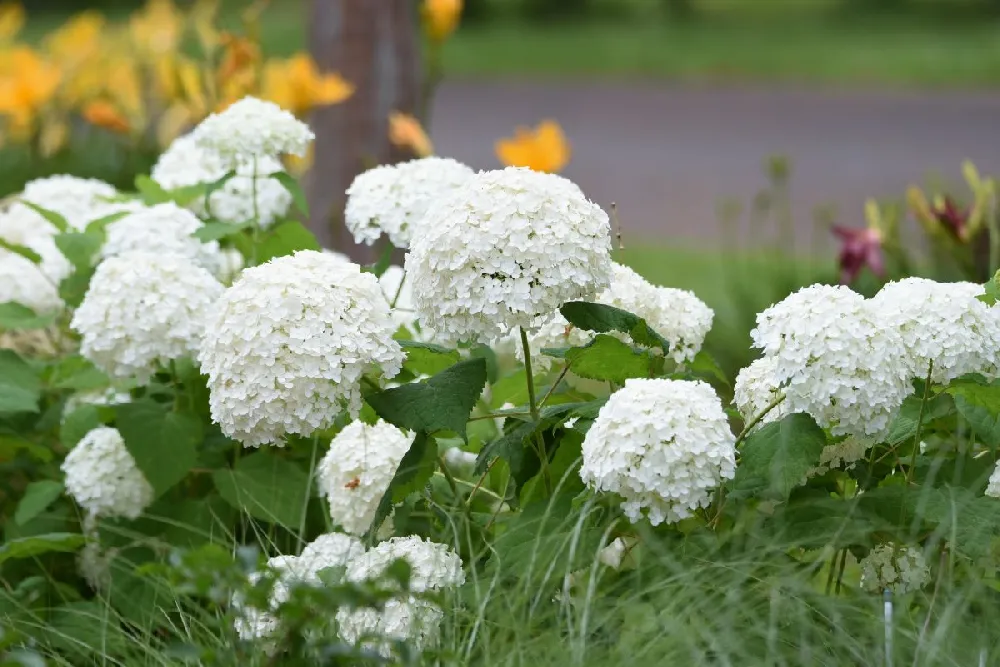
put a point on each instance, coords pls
(920, 420)
(756, 420)
(531, 380)
(399, 290)
(309, 482)
(555, 384)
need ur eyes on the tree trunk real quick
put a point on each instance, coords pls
(374, 44)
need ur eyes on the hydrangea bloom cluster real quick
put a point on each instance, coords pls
(662, 445)
(944, 323)
(434, 567)
(23, 282)
(393, 199)
(252, 129)
(993, 487)
(287, 345)
(835, 360)
(327, 551)
(142, 310)
(101, 476)
(164, 228)
(506, 248)
(356, 471)
(756, 388)
(677, 315)
(185, 163)
(899, 568)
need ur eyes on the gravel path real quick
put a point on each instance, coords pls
(669, 154)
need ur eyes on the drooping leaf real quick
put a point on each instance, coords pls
(705, 365)
(37, 498)
(98, 227)
(776, 457)
(293, 187)
(162, 442)
(284, 239)
(21, 250)
(979, 404)
(216, 185)
(427, 358)
(266, 487)
(56, 220)
(442, 402)
(20, 386)
(214, 230)
(16, 316)
(608, 359)
(416, 468)
(152, 193)
(27, 547)
(602, 319)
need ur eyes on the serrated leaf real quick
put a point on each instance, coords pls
(284, 239)
(56, 220)
(608, 359)
(20, 386)
(427, 358)
(152, 192)
(214, 230)
(37, 498)
(775, 458)
(265, 486)
(27, 547)
(602, 319)
(21, 250)
(979, 404)
(440, 403)
(18, 317)
(294, 189)
(162, 442)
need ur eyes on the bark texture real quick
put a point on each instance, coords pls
(374, 44)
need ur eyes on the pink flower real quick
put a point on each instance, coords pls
(952, 218)
(861, 247)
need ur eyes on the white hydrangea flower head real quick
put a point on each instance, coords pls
(143, 310)
(288, 343)
(677, 315)
(185, 164)
(23, 282)
(434, 566)
(101, 476)
(899, 568)
(505, 249)
(393, 199)
(993, 487)
(756, 388)
(252, 623)
(163, 228)
(662, 445)
(835, 360)
(357, 469)
(252, 129)
(414, 621)
(944, 323)
(326, 551)
(21, 226)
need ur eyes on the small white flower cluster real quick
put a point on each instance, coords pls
(434, 567)
(835, 360)
(756, 388)
(662, 445)
(287, 345)
(185, 164)
(393, 199)
(102, 477)
(164, 228)
(252, 129)
(943, 323)
(358, 468)
(993, 487)
(331, 550)
(24, 282)
(508, 247)
(677, 315)
(142, 310)
(899, 568)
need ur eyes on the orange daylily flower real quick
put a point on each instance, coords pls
(405, 132)
(297, 85)
(543, 149)
(11, 20)
(27, 82)
(104, 114)
(441, 18)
